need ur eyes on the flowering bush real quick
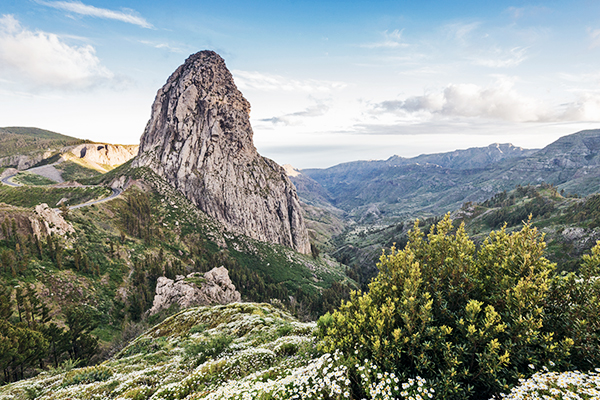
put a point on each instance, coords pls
(469, 320)
(554, 385)
(379, 385)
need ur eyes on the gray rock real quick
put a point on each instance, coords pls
(199, 139)
(214, 287)
(23, 162)
(48, 221)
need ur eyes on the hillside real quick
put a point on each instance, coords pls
(389, 191)
(24, 147)
(571, 226)
(18, 140)
(118, 250)
(223, 350)
(259, 351)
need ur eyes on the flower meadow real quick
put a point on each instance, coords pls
(252, 351)
(546, 385)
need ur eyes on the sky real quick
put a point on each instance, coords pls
(328, 81)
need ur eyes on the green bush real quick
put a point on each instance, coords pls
(87, 375)
(470, 321)
(209, 348)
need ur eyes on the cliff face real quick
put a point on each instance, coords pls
(199, 139)
(103, 153)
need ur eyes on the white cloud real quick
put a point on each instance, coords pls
(391, 40)
(295, 118)
(41, 59)
(594, 35)
(268, 82)
(461, 31)
(585, 108)
(160, 45)
(77, 7)
(500, 102)
(498, 58)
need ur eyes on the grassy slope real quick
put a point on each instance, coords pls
(22, 140)
(249, 343)
(30, 179)
(76, 170)
(30, 196)
(183, 234)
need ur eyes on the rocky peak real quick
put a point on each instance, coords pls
(199, 139)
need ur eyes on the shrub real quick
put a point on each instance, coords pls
(87, 375)
(469, 321)
(573, 310)
(210, 348)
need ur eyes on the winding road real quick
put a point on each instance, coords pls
(7, 181)
(115, 192)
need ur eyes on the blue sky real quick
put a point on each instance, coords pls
(329, 81)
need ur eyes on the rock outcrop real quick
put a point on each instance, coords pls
(23, 162)
(214, 287)
(49, 221)
(199, 139)
(104, 154)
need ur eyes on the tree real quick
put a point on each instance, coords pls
(64, 209)
(471, 321)
(5, 302)
(8, 260)
(314, 250)
(82, 320)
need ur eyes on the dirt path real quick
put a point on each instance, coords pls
(48, 171)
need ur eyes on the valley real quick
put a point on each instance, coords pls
(192, 267)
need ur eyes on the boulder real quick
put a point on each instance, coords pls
(196, 289)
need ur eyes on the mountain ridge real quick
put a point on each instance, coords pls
(403, 188)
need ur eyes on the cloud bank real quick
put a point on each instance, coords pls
(499, 102)
(43, 60)
(77, 7)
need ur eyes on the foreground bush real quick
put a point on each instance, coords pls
(553, 385)
(472, 322)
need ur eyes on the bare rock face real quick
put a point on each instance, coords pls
(48, 221)
(23, 162)
(214, 287)
(105, 154)
(199, 139)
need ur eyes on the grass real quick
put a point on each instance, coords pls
(30, 196)
(24, 140)
(72, 171)
(31, 179)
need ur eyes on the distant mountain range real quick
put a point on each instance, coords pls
(391, 190)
